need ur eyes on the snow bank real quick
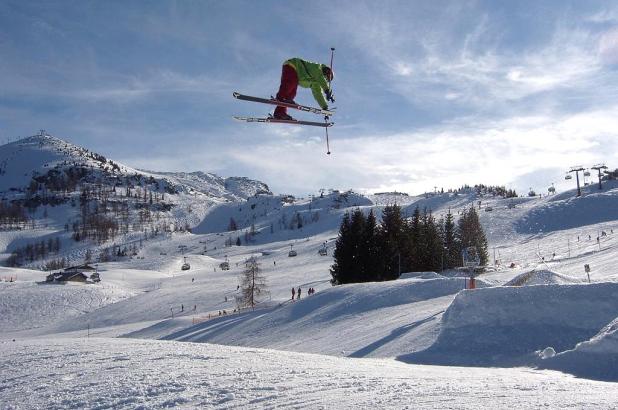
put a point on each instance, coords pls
(596, 358)
(541, 277)
(505, 325)
(421, 275)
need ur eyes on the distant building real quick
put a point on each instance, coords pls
(74, 274)
(67, 277)
(80, 268)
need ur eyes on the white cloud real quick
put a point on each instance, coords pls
(501, 152)
(608, 47)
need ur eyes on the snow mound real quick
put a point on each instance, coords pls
(541, 277)
(506, 325)
(596, 358)
(421, 275)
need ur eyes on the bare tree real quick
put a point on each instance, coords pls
(252, 285)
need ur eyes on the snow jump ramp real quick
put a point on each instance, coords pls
(505, 326)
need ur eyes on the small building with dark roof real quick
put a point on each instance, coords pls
(67, 277)
(80, 268)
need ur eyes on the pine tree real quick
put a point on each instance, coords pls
(357, 245)
(414, 252)
(391, 238)
(371, 250)
(452, 250)
(470, 233)
(431, 245)
(342, 255)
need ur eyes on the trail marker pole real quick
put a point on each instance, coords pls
(332, 56)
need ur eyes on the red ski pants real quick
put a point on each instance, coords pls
(287, 89)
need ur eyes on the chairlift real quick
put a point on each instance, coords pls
(323, 251)
(586, 173)
(224, 265)
(185, 266)
(292, 252)
(568, 177)
(488, 209)
(551, 189)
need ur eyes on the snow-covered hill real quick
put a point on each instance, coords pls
(53, 190)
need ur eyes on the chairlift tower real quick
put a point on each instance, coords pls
(599, 167)
(471, 260)
(576, 169)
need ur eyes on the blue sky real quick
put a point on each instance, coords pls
(429, 93)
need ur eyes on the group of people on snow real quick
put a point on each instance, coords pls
(296, 293)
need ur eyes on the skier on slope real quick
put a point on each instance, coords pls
(297, 71)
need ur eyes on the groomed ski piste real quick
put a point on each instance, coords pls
(536, 332)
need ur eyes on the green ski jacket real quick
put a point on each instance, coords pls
(310, 76)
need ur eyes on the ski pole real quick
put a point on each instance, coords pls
(327, 143)
(332, 55)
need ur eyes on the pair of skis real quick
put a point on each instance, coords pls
(272, 101)
(270, 119)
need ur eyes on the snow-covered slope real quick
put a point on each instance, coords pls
(345, 320)
(127, 374)
(27, 305)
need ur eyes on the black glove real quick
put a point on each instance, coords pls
(329, 96)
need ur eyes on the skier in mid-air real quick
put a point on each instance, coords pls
(297, 71)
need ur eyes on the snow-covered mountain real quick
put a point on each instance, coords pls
(54, 190)
(44, 155)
